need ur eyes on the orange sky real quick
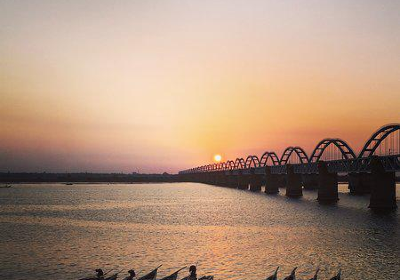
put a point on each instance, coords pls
(155, 86)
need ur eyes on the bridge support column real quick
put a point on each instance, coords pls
(272, 181)
(242, 181)
(212, 178)
(327, 184)
(360, 183)
(203, 177)
(293, 183)
(383, 191)
(231, 181)
(255, 181)
(310, 181)
(220, 178)
(207, 178)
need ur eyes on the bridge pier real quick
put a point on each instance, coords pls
(230, 181)
(310, 181)
(242, 181)
(293, 183)
(383, 188)
(207, 178)
(204, 178)
(327, 184)
(272, 181)
(255, 181)
(222, 179)
(197, 177)
(213, 178)
(360, 183)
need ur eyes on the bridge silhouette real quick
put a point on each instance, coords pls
(372, 171)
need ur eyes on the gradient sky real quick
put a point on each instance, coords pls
(153, 86)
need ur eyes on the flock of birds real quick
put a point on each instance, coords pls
(193, 276)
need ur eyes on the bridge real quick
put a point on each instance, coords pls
(373, 171)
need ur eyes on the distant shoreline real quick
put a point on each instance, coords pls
(101, 178)
(92, 178)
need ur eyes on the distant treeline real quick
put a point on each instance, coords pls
(8, 177)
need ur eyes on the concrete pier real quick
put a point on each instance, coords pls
(327, 184)
(231, 181)
(310, 181)
(272, 181)
(255, 181)
(383, 188)
(360, 183)
(221, 179)
(242, 181)
(293, 183)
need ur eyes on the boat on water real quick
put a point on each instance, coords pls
(112, 277)
(273, 276)
(292, 275)
(5, 187)
(173, 276)
(315, 275)
(69, 184)
(152, 275)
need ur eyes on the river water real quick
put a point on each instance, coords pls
(50, 231)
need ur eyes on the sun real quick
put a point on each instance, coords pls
(217, 158)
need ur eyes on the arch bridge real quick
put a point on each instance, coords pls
(335, 152)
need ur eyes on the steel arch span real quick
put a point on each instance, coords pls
(269, 155)
(240, 163)
(288, 152)
(252, 161)
(212, 166)
(230, 164)
(376, 139)
(343, 147)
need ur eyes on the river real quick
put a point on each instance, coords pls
(50, 231)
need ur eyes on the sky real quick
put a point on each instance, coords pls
(154, 86)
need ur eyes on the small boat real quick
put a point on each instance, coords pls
(337, 276)
(209, 277)
(273, 276)
(315, 275)
(292, 275)
(192, 270)
(173, 276)
(152, 275)
(112, 277)
(5, 187)
(68, 184)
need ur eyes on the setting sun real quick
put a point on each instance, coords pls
(217, 158)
